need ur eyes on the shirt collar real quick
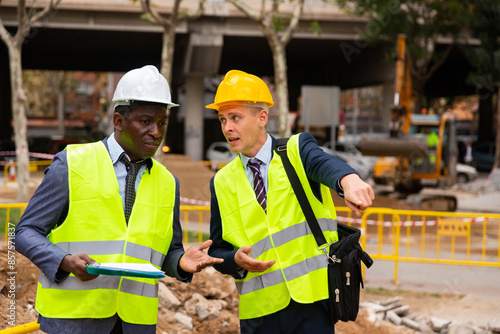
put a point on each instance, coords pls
(264, 154)
(115, 150)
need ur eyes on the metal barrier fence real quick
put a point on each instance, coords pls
(431, 237)
(9, 215)
(188, 214)
(387, 234)
(34, 166)
(11, 212)
(22, 329)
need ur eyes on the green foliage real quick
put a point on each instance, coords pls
(146, 17)
(485, 26)
(15, 214)
(420, 20)
(279, 23)
(193, 237)
(316, 28)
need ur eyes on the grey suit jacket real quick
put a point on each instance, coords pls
(48, 208)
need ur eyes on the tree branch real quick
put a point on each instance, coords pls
(263, 8)
(156, 18)
(194, 15)
(175, 12)
(5, 35)
(250, 12)
(294, 22)
(439, 62)
(41, 14)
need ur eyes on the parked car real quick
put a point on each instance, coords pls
(220, 151)
(358, 164)
(466, 173)
(484, 155)
(348, 151)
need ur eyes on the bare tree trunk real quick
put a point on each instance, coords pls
(281, 82)
(25, 18)
(167, 54)
(277, 39)
(167, 59)
(20, 124)
(60, 113)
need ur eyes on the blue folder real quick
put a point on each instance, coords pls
(96, 270)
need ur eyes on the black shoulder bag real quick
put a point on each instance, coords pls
(344, 256)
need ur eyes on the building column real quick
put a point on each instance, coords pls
(193, 120)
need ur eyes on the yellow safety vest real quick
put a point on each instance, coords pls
(300, 271)
(96, 225)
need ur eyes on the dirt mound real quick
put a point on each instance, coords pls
(18, 283)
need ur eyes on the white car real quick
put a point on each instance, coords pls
(466, 173)
(220, 151)
(352, 160)
(349, 151)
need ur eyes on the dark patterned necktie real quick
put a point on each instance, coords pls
(258, 184)
(132, 170)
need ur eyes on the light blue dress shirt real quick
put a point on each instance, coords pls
(115, 150)
(265, 156)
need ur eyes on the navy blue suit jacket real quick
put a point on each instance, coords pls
(320, 167)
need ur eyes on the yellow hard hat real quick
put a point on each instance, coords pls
(239, 86)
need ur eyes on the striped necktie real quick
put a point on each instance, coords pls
(258, 183)
(132, 171)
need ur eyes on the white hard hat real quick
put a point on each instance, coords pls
(143, 84)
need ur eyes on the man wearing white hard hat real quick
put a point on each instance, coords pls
(90, 210)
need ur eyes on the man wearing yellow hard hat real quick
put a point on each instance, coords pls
(257, 225)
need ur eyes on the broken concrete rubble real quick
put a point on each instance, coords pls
(204, 308)
(393, 311)
(166, 298)
(184, 319)
(438, 324)
(494, 325)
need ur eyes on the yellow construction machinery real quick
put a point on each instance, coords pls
(421, 149)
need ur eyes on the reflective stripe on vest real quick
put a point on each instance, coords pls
(74, 283)
(96, 225)
(288, 234)
(283, 235)
(103, 282)
(275, 277)
(113, 247)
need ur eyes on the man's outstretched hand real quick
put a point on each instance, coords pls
(244, 260)
(195, 259)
